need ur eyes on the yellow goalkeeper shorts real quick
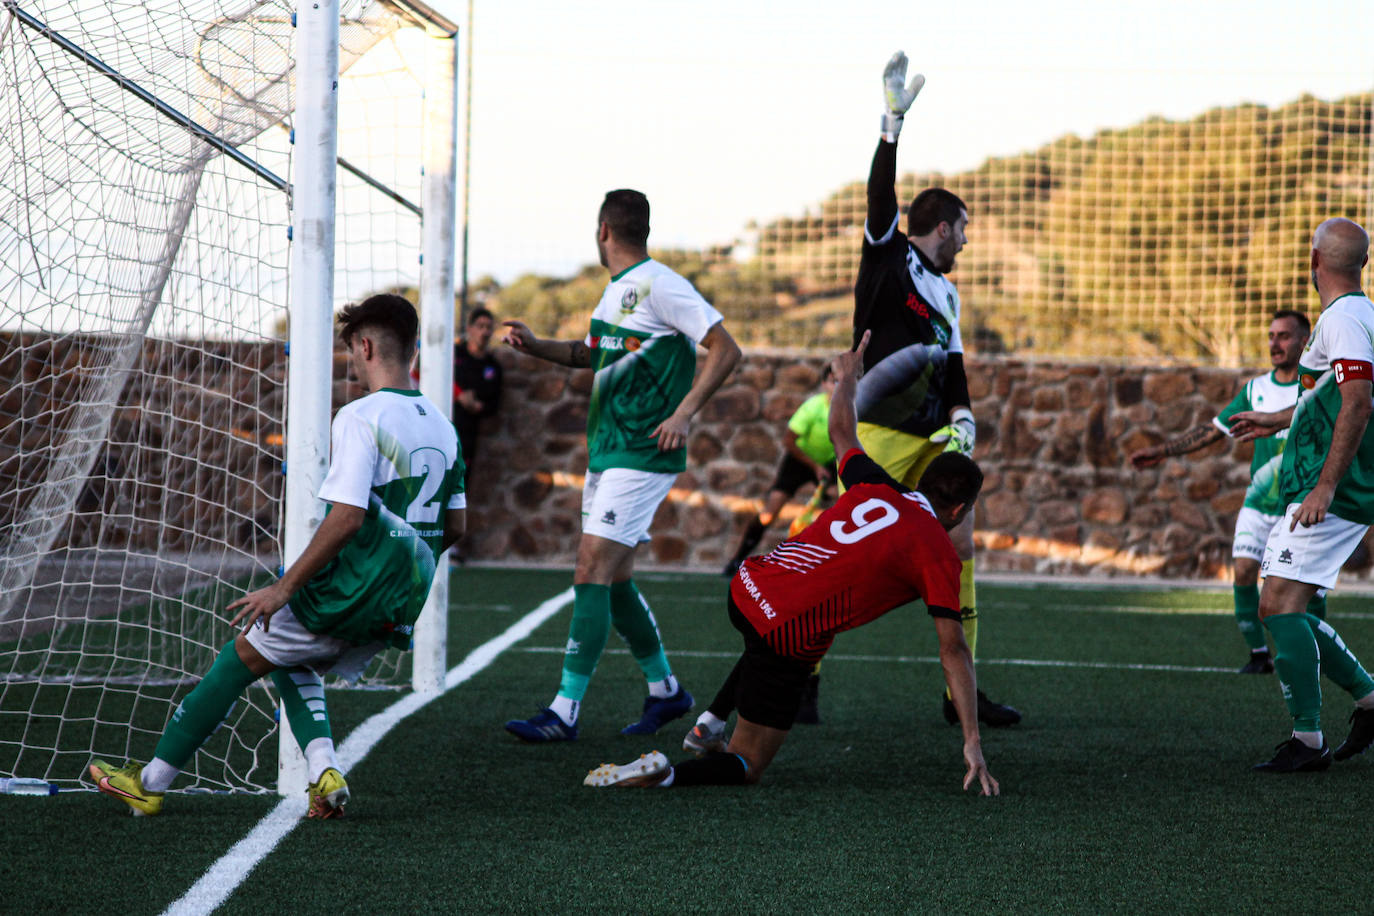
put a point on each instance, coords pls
(902, 455)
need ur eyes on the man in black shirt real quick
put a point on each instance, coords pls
(913, 401)
(476, 381)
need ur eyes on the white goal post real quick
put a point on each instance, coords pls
(160, 219)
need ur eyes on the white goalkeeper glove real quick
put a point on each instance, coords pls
(960, 435)
(898, 95)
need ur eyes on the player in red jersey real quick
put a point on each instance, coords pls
(880, 546)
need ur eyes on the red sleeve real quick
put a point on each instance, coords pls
(938, 570)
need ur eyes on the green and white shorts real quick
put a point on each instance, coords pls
(1253, 528)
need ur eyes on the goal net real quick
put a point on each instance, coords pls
(145, 206)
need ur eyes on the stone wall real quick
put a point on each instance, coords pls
(1053, 440)
(195, 456)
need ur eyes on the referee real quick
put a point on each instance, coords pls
(913, 402)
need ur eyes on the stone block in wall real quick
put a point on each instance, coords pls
(794, 376)
(727, 478)
(1168, 387)
(548, 387)
(735, 404)
(1097, 444)
(1002, 511)
(1106, 507)
(703, 448)
(1186, 512)
(567, 417)
(778, 406)
(668, 549)
(750, 444)
(1128, 391)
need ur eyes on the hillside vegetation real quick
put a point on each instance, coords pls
(1165, 240)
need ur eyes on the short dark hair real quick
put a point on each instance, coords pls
(627, 213)
(386, 312)
(1297, 316)
(932, 207)
(480, 312)
(951, 479)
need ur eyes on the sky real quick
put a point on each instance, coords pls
(726, 113)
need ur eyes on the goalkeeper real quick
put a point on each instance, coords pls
(914, 403)
(396, 501)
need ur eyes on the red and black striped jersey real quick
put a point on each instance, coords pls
(879, 547)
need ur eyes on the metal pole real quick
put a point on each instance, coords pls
(311, 360)
(436, 313)
(467, 171)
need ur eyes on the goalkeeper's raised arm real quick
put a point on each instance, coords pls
(882, 175)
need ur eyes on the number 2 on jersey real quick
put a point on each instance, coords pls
(424, 508)
(868, 517)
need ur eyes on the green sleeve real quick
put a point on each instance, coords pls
(1240, 402)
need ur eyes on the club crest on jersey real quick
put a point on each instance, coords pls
(629, 300)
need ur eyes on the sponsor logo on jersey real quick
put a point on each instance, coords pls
(627, 344)
(914, 303)
(629, 300)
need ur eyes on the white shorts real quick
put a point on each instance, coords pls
(618, 504)
(1252, 533)
(1313, 555)
(288, 644)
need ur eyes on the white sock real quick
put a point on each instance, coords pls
(1313, 740)
(664, 688)
(157, 776)
(1366, 701)
(715, 723)
(566, 708)
(319, 756)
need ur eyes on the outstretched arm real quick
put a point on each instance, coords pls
(843, 421)
(572, 353)
(1198, 437)
(1256, 424)
(957, 662)
(882, 175)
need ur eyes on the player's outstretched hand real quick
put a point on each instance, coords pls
(978, 769)
(262, 603)
(1256, 424)
(850, 364)
(517, 335)
(1146, 458)
(896, 93)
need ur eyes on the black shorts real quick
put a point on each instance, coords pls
(793, 474)
(770, 685)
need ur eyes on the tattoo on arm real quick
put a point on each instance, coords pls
(1192, 440)
(579, 354)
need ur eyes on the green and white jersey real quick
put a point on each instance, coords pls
(1341, 349)
(393, 454)
(643, 339)
(1265, 393)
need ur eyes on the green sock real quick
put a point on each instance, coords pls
(1316, 605)
(1247, 615)
(1339, 663)
(1295, 661)
(302, 693)
(635, 622)
(204, 708)
(591, 625)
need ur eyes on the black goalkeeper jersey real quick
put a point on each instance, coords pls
(905, 302)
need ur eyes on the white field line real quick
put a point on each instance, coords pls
(224, 876)
(932, 660)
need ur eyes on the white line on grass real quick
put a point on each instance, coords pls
(222, 878)
(934, 660)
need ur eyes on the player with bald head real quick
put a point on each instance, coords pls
(1327, 479)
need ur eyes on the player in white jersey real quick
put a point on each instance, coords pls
(642, 345)
(396, 501)
(1327, 480)
(1273, 391)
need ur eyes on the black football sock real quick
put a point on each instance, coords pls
(718, 768)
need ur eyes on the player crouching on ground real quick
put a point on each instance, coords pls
(396, 502)
(880, 546)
